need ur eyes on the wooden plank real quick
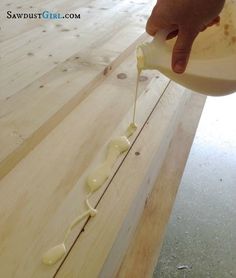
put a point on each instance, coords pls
(12, 28)
(54, 114)
(28, 118)
(99, 249)
(26, 58)
(49, 184)
(144, 249)
(30, 114)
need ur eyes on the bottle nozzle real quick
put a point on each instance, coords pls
(140, 58)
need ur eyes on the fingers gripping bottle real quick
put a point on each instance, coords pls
(212, 65)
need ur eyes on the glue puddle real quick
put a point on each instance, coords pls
(95, 180)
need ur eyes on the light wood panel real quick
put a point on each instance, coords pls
(99, 250)
(15, 27)
(48, 184)
(144, 249)
(31, 112)
(61, 101)
(27, 119)
(25, 58)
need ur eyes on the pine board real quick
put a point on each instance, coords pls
(99, 250)
(60, 103)
(144, 248)
(15, 27)
(49, 181)
(36, 94)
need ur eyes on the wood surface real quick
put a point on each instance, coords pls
(144, 249)
(104, 242)
(44, 75)
(49, 184)
(61, 101)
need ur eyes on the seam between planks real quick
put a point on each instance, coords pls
(113, 176)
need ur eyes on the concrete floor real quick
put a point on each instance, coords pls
(200, 240)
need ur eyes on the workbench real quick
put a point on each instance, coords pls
(67, 88)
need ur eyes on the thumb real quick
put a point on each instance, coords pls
(182, 49)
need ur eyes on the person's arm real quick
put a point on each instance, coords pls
(189, 17)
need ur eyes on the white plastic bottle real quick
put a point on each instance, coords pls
(212, 66)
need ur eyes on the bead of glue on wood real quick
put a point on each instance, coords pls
(115, 148)
(56, 253)
(97, 178)
(131, 129)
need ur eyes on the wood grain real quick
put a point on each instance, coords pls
(61, 102)
(99, 250)
(49, 184)
(38, 91)
(144, 248)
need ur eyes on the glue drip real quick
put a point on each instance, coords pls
(136, 93)
(95, 180)
(115, 148)
(54, 254)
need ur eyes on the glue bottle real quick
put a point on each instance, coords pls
(212, 66)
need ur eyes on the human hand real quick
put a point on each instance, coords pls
(188, 18)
